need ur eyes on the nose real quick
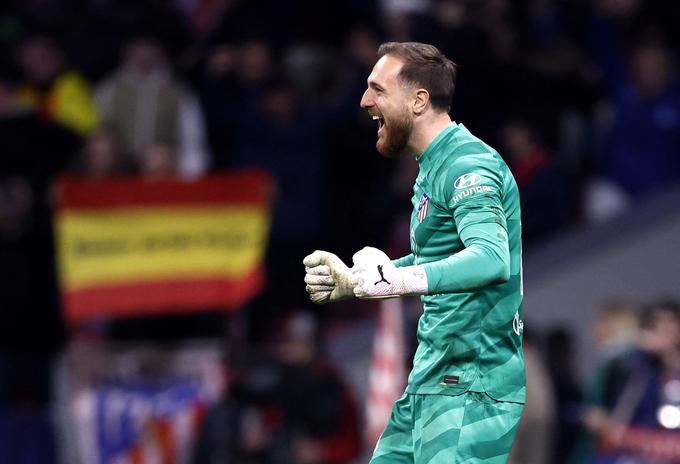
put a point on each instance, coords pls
(366, 99)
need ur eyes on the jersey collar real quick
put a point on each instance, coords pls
(425, 159)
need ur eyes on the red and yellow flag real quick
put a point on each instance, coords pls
(130, 247)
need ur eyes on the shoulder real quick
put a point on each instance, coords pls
(467, 167)
(486, 163)
(480, 171)
(72, 80)
(466, 154)
(71, 85)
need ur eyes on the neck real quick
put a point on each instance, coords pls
(427, 128)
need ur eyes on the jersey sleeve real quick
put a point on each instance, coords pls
(404, 261)
(473, 193)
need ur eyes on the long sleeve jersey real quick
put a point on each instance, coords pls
(465, 231)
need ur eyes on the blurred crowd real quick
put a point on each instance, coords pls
(627, 410)
(286, 403)
(581, 97)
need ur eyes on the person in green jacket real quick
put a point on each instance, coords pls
(465, 394)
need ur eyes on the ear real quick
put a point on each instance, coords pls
(421, 100)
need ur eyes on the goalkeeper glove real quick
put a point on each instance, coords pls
(328, 279)
(375, 276)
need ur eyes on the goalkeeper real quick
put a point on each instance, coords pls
(466, 391)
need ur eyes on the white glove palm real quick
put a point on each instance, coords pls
(375, 276)
(328, 279)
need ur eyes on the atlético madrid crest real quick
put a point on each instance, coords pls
(423, 206)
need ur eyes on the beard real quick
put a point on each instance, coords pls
(395, 137)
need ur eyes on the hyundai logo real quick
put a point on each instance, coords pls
(467, 180)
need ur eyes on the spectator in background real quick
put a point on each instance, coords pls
(376, 188)
(238, 428)
(235, 78)
(159, 162)
(615, 333)
(287, 137)
(548, 202)
(147, 105)
(616, 330)
(52, 91)
(34, 151)
(560, 360)
(636, 387)
(289, 406)
(535, 434)
(103, 155)
(639, 133)
(645, 137)
(320, 413)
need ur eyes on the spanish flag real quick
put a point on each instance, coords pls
(129, 247)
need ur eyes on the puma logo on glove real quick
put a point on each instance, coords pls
(382, 277)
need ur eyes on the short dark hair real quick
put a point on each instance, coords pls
(425, 67)
(664, 305)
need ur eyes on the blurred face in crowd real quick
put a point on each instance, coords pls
(101, 154)
(386, 100)
(651, 70)
(517, 140)
(295, 352)
(616, 324)
(362, 45)
(295, 343)
(41, 60)
(451, 13)
(255, 63)
(280, 104)
(661, 333)
(104, 155)
(144, 55)
(222, 59)
(618, 8)
(160, 162)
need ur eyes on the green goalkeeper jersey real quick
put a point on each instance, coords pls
(466, 233)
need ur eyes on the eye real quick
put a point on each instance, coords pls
(376, 88)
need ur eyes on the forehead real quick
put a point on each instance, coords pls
(385, 71)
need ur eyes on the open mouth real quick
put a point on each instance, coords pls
(381, 122)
